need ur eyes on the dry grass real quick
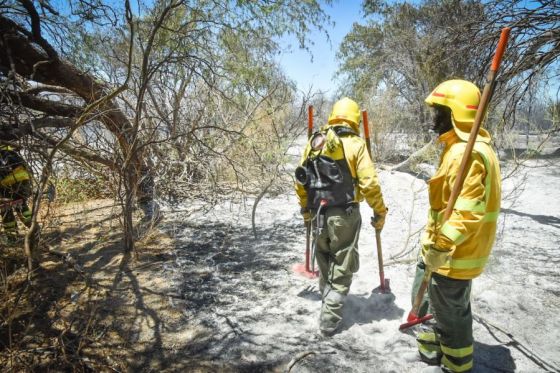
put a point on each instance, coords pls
(88, 306)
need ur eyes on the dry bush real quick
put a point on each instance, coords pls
(80, 189)
(396, 132)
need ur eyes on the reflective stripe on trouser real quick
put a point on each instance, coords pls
(451, 307)
(10, 226)
(9, 222)
(428, 345)
(19, 191)
(18, 175)
(337, 258)
(418, 276)
(26, 214)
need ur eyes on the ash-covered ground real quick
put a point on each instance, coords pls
(245, 309)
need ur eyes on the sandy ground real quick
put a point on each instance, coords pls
(203, 294)
(247, 310)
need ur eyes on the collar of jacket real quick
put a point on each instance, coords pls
(451, 137)
(448, 138)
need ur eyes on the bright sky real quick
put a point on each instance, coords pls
(317, 71)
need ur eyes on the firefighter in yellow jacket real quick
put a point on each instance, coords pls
(15, 189)
(335, 174)
(457, 251)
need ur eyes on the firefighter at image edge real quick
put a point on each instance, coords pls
(15, 184)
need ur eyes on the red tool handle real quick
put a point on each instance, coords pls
(480, 113)
(308, 224)
(310, 121)
(366, 124)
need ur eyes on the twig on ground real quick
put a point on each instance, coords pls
(297, 358)
(303, 355)
(548, 367)
(256, 203)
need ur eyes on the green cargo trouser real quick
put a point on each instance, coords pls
(450, 341)
(425, 305)
(338, 259)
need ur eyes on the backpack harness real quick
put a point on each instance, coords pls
(325, 174)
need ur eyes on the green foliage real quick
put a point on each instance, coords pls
(402, 51)
(408, 48)
(71, 189)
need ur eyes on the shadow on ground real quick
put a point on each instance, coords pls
(361, 310)
(492, 359)
(85, 306)
(224, 274)
(541, 219)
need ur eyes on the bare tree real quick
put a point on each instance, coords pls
(534, 47)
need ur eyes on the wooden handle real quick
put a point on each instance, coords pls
(366, 132)
(481, 111)
(486, 95)
(366, 124)
(310, 121)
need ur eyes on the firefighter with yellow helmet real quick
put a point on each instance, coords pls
(15, 189)
(457, 251)
(335, 174)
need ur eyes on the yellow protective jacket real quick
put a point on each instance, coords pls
(353, 149)
(471, 229)
(17, 175)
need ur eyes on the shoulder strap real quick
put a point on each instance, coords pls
(343, 130)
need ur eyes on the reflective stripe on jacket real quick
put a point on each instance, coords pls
(471, 229)
(366, 185)
(17, 175)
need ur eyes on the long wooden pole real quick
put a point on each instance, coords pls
(308, 224)
(384, 284)
(412, 318)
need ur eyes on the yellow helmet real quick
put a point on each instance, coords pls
(462, 97)
(347, 110)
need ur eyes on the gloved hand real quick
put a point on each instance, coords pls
(435, 258)
(378, 220)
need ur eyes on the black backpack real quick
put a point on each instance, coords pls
(324, 178)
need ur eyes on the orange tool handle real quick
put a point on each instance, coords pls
(366, 124)
(504, 36)
(484, 100)
(308, 224)
(366, 131)
(310, 121)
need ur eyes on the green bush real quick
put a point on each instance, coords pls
(81, 189)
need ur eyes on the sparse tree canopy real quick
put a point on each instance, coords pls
(408, 48)
(532, 60)
(169, 91)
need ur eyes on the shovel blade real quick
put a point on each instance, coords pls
(384, 288)
(301, 269)
(413, 319)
